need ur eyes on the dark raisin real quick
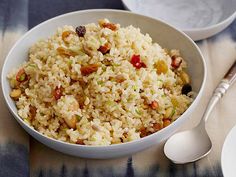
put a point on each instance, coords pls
(80, 30)
(186, 89)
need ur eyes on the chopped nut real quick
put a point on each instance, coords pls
(80, 98)
(144, 132)
(166, 122)
(95, 127)
(157, 127)
(104, 49)
(161, 67)
(80, 141)
(66, 34)
(71, 122)
(102, 21)
(32, 111)
(65, 52)
(74, 106)
(111, 26)
(107, 62)
(120, 78)
(57, 93)
(154, 105)
(125, 134)
(88, 50)
(86, 101)
(184, 77)
(15, 93)
(82, 83)
(88, 69)
(106, 24)
(48, 104)
(74, 77)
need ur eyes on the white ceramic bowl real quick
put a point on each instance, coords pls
(197, 18)
(162, 33)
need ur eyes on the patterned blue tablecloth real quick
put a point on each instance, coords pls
(22, 156)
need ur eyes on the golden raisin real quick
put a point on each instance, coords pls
(66, 34)
(161, 67)
(15, 93)
(120, 78)
(65, 52)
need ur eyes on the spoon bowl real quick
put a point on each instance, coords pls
(188, 146)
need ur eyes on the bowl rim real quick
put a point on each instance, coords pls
(230, 17)
(97, 147)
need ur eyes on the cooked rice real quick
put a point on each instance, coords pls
(111, 105)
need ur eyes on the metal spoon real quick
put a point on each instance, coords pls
(191, 145)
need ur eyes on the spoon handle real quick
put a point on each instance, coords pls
(225, 83)
(230, 76)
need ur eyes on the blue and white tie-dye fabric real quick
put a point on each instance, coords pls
(14, 142)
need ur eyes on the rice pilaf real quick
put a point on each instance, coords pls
(100, 84)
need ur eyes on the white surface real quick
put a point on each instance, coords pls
(166, 35)
(228, 156)
(198, 18)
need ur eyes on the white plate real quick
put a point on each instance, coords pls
(228, 155)
(197, 18)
